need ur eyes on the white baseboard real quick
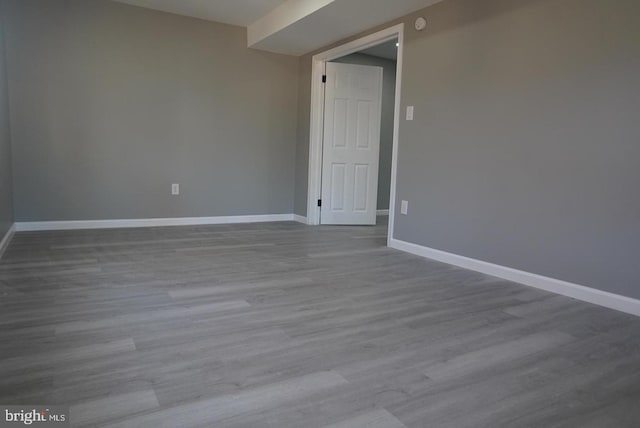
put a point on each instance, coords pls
(148, 222)
(580, 292)
(382, 212)
(7, 239)
(300, 219)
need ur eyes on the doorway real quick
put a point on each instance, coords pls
(372, 51)
(358, 135)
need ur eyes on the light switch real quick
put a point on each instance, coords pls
(175, 189)
(410, 113)
(404, 207)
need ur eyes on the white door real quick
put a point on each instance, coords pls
(351, 146)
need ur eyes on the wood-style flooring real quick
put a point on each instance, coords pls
(283, 325)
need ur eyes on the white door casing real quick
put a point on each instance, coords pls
(351, 146)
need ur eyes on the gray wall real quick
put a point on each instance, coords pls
(111, 103)
(386, 125)
(525, 146)
(6, 197)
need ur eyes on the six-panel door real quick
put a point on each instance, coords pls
(351, 146)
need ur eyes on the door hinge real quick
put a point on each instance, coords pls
(319, 202)
(324, 78)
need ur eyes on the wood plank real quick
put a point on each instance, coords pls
(284, 325)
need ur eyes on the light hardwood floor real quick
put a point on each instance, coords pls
(284, 325)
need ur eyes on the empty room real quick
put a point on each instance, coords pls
(320, 213)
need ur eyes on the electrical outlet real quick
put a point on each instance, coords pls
(175, 189)
(404, 207)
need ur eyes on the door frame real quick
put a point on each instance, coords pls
(317, 117)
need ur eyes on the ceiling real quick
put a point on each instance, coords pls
(387, 50)
(336, 21)
(292, 27)
(234, 12)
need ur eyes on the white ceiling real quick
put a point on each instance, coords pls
(293, 27)
(235, 12)
(337, 21)
(387, 50)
